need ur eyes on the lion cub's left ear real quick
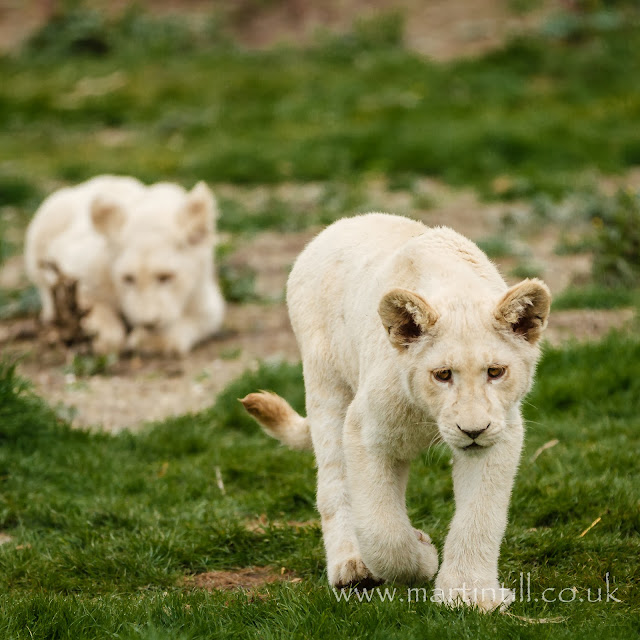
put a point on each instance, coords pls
(524, 308)
(406, 316)
(197, 217)
(108, 217)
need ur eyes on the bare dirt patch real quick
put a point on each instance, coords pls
(12, 273)
(137, 390)
(270, 256)
(248, 579)
(628, 180)
(558, 271)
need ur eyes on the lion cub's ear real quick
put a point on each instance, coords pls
(197, 217)
(406, 316)
(107, 216)
(524, 308)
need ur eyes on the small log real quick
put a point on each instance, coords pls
(68, 312)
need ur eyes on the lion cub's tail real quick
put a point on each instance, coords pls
(276, 416)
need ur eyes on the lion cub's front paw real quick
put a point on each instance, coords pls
(485, 595)
(167, 343)
(144, 341)
(411, 559)
(349, 572)
(171, 341)
(106, 338)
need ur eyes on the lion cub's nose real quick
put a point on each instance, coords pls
(473, 434)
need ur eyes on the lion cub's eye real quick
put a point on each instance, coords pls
(496, 372)
(162, 278)
(128, 279)
(443, 375)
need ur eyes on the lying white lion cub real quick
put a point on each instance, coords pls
(408, 332)
(142, 256)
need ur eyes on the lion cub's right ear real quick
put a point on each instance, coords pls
(107, 216)
(524, 309)
(197, 217)
(406, 316)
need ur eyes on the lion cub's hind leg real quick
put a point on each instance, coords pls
(327, 403)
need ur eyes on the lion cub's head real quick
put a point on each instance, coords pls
(470, 361)
(161, 249)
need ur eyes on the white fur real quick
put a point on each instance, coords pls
(378, 303)
(142, 256)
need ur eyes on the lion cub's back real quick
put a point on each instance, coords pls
(66, 213)
(339, 260)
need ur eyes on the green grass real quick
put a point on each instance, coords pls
(105, 527)
(330, 201)
(236, 282)
(617, 242)
(496, 246)
(274, 214)
(526, 270)
(15, 303)
(609, 228)
(595, 297)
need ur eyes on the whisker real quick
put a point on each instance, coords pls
(430, 453)
(428, 423)
(435, 440)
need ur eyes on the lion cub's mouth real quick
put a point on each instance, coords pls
(473, 445)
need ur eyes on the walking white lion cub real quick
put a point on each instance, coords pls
(406, 333)
(142, 257)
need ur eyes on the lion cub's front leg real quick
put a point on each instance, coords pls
(482, 482)
(108, 332)
(390, 546)
(176, 339)
(326, 407)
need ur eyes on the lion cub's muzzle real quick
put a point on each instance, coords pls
(475, 438)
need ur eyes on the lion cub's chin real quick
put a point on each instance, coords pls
(474, 446)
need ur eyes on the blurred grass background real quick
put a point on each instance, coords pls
(162, 99)
(540, 119)
(103, 528)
